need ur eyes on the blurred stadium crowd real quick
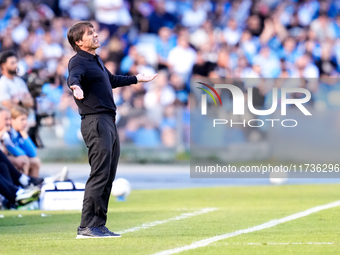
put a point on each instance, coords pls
(178, 39)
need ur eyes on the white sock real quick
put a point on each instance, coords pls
(24, 180)
(49, 180)
(20, 191)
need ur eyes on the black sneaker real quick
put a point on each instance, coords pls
(36, 181)
(107, 231)
(91, 232)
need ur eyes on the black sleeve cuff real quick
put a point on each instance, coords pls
(73, 81)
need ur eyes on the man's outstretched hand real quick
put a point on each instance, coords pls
(77, 92)
(145, 78)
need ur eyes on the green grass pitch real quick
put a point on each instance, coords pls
(238, 208)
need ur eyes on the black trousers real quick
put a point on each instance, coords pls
(101, 138)
(9, 178)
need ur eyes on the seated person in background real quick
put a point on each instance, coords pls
(17, 188)
(21, 149)
(7, 169)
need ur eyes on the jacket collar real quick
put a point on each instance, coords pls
(91, 57)
(86, 54)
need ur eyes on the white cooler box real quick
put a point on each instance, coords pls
(62, 196)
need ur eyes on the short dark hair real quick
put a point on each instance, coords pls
(76, 32)
(5, 55)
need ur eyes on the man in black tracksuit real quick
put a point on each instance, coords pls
(92, 86)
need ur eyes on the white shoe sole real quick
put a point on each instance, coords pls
(28, 197)
(86, 237)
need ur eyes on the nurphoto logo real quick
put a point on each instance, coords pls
(239, 104)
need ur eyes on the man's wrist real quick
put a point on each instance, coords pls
(75, 86)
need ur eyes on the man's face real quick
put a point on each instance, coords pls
(89, 40)
(11, 65)
(5, 120)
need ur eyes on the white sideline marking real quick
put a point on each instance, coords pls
(158, 222)
(280, 243)
(268, 224)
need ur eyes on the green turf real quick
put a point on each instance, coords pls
(239, 208)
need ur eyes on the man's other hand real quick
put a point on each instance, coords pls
(77, 92)
(145, 78)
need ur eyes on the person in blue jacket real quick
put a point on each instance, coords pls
(21, 149)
